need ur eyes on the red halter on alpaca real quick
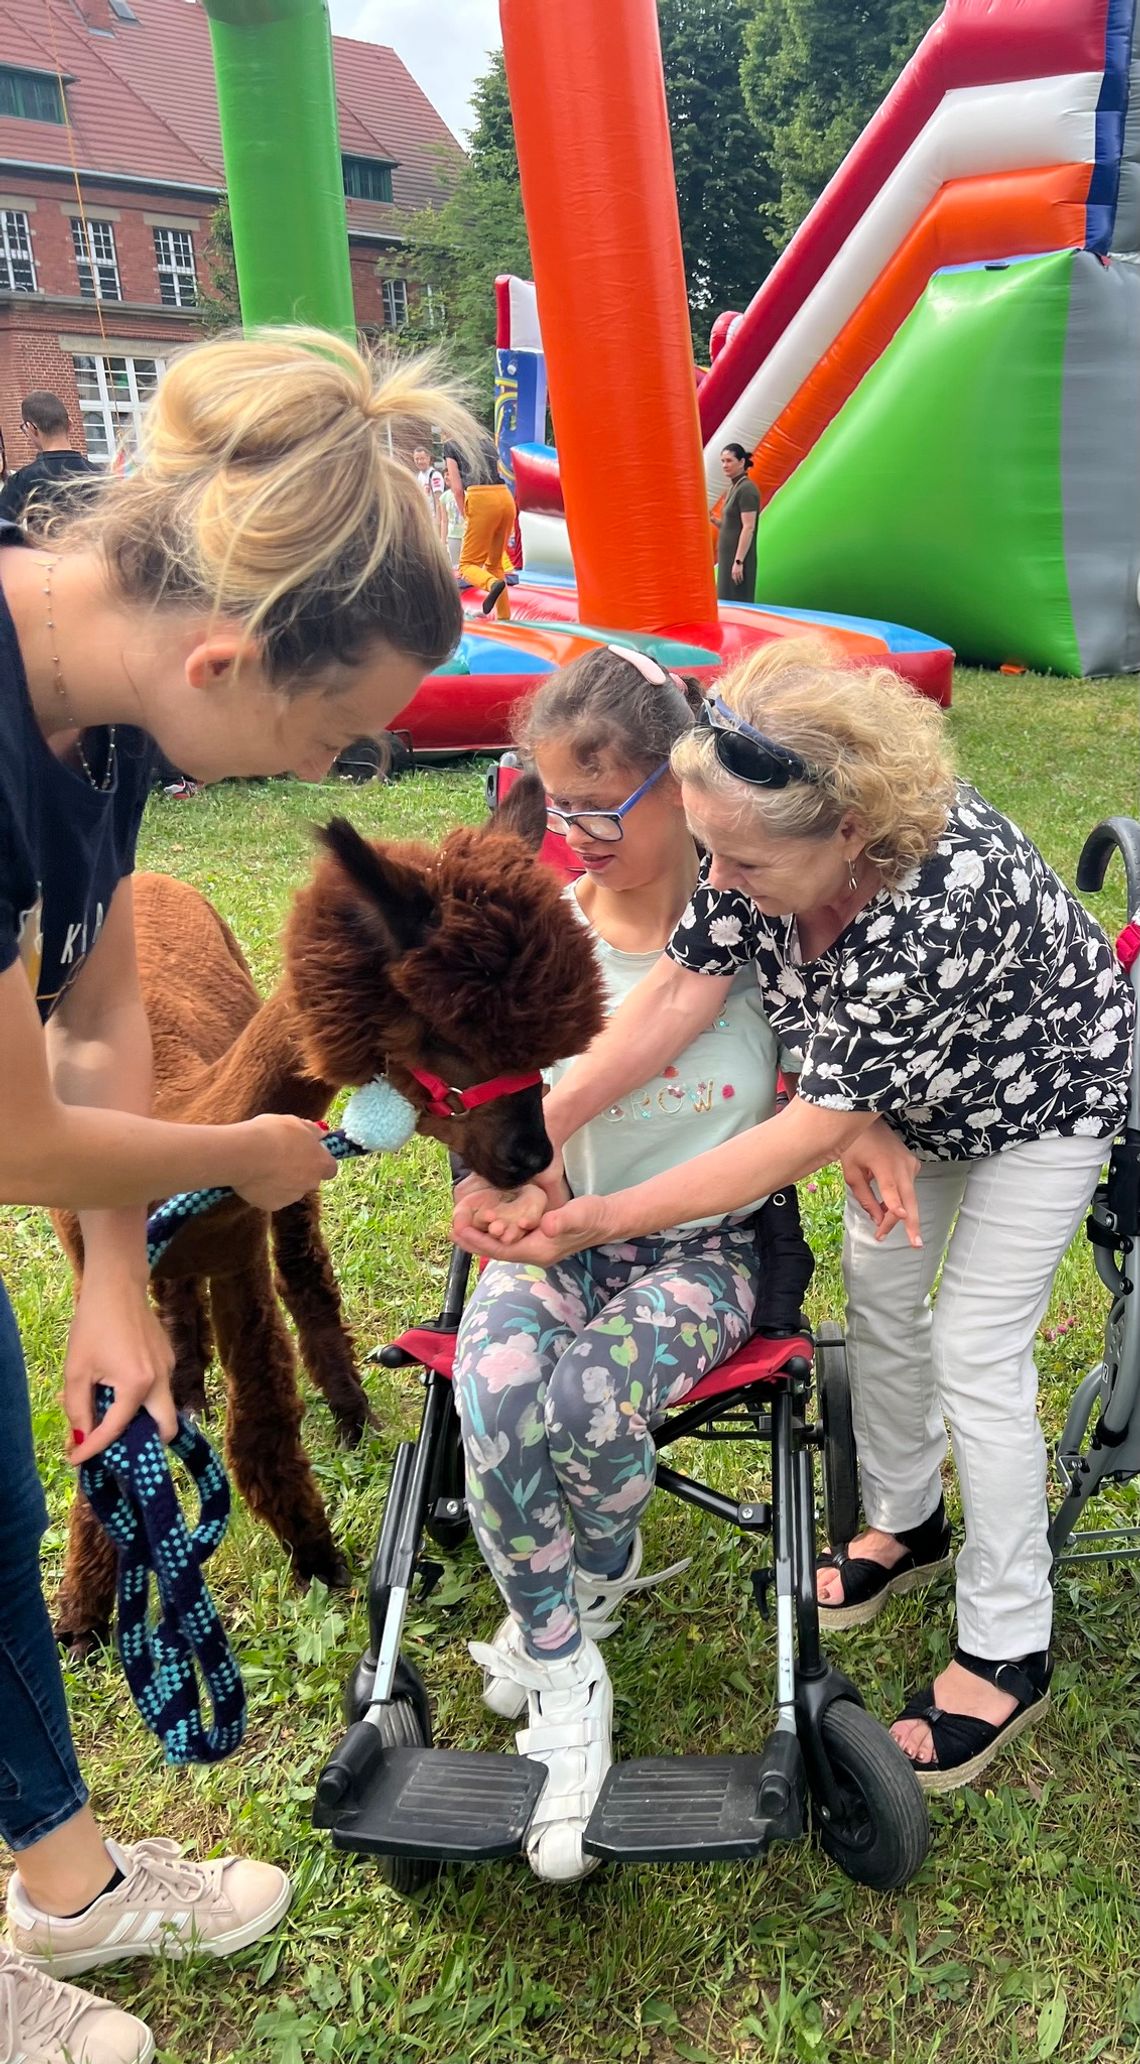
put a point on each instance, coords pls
(444, 1101)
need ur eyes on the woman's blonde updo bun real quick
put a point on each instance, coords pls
(266, 489)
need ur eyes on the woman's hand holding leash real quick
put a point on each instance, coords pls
(286, 1160)
(117, 1339)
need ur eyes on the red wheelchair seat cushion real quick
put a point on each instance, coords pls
(758, 1361)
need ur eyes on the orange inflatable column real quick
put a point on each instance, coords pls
(588, 98)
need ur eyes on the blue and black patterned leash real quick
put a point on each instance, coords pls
(132, 1493)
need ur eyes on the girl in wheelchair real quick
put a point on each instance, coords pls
(560, 1371)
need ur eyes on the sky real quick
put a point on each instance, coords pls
(444, 43)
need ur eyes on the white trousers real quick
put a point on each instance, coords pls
(966, 1361)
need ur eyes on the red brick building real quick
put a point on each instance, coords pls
(110, 168)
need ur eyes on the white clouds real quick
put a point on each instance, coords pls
(444, 43)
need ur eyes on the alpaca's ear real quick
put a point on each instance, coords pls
(522, 812)
(393, 899)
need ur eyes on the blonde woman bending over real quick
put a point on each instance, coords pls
(947, 996)
(267, 585)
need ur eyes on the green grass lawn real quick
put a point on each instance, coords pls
(1018, 1941)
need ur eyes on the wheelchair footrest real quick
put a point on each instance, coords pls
(699, 1809)
(439, 1804)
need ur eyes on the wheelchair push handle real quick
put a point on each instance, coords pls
(1113, 835)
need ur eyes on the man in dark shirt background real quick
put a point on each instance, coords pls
(48, 477)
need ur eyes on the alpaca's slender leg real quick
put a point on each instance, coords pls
(307, 1286)
(86, 1598)
(182, 1307)
(263, 1433)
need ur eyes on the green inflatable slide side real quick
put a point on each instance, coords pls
(936, 496)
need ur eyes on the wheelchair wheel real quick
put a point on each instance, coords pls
(884, 1833)
(400, 1726)
(840, 1462)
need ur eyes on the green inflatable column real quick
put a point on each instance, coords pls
(277, 106)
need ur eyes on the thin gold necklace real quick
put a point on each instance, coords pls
(61, 691)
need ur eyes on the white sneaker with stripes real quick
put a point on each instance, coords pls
(165, 1906)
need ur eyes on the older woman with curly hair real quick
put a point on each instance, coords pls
(950, 999)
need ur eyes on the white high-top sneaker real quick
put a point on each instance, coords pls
(599, 1600)
(570, 1717)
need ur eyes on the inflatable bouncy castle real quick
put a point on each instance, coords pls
(588, 100)
(940, 376)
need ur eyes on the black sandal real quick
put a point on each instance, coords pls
(963, 1746)
(867, 1585)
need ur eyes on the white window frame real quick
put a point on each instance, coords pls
(177, 276)
(16, 249)
(104, 283)
(111, 411)
(394, 296)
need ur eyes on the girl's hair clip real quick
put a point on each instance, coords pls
(649, 669)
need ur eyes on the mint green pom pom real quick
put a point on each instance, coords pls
(378, 1118)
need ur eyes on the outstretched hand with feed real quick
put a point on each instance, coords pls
(577, 1223)
(506, 1216)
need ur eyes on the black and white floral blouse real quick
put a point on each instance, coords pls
(976, 1005)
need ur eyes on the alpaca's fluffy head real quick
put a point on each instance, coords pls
(463, 960)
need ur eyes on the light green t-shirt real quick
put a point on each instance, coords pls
(723, 1083)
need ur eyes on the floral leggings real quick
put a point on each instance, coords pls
(559, 1373)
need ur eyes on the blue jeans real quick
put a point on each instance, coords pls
(40, 1785)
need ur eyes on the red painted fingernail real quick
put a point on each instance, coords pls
(77, 1438)
(320, 1125)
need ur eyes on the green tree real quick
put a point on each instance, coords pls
(218, 293)
(813, 73)
(725, 194)
(725, 187)
(460, 246)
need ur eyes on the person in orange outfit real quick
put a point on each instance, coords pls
(488, 510)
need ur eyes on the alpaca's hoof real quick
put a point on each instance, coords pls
(80, 1644)
(352, 1424)
(327, 1565)
(192, 1402)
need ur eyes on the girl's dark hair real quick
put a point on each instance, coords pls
(738, 452)
(606, 712)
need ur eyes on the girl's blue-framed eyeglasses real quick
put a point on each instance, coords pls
(604, 825)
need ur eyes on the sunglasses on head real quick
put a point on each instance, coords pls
(747, 753)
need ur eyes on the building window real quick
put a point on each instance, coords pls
(19, 273)
(95, 260)
(112, 395)
(367, 179)
(394, 293)
(174, 257)
(35, 96)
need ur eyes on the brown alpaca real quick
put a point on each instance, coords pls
(464, 961)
